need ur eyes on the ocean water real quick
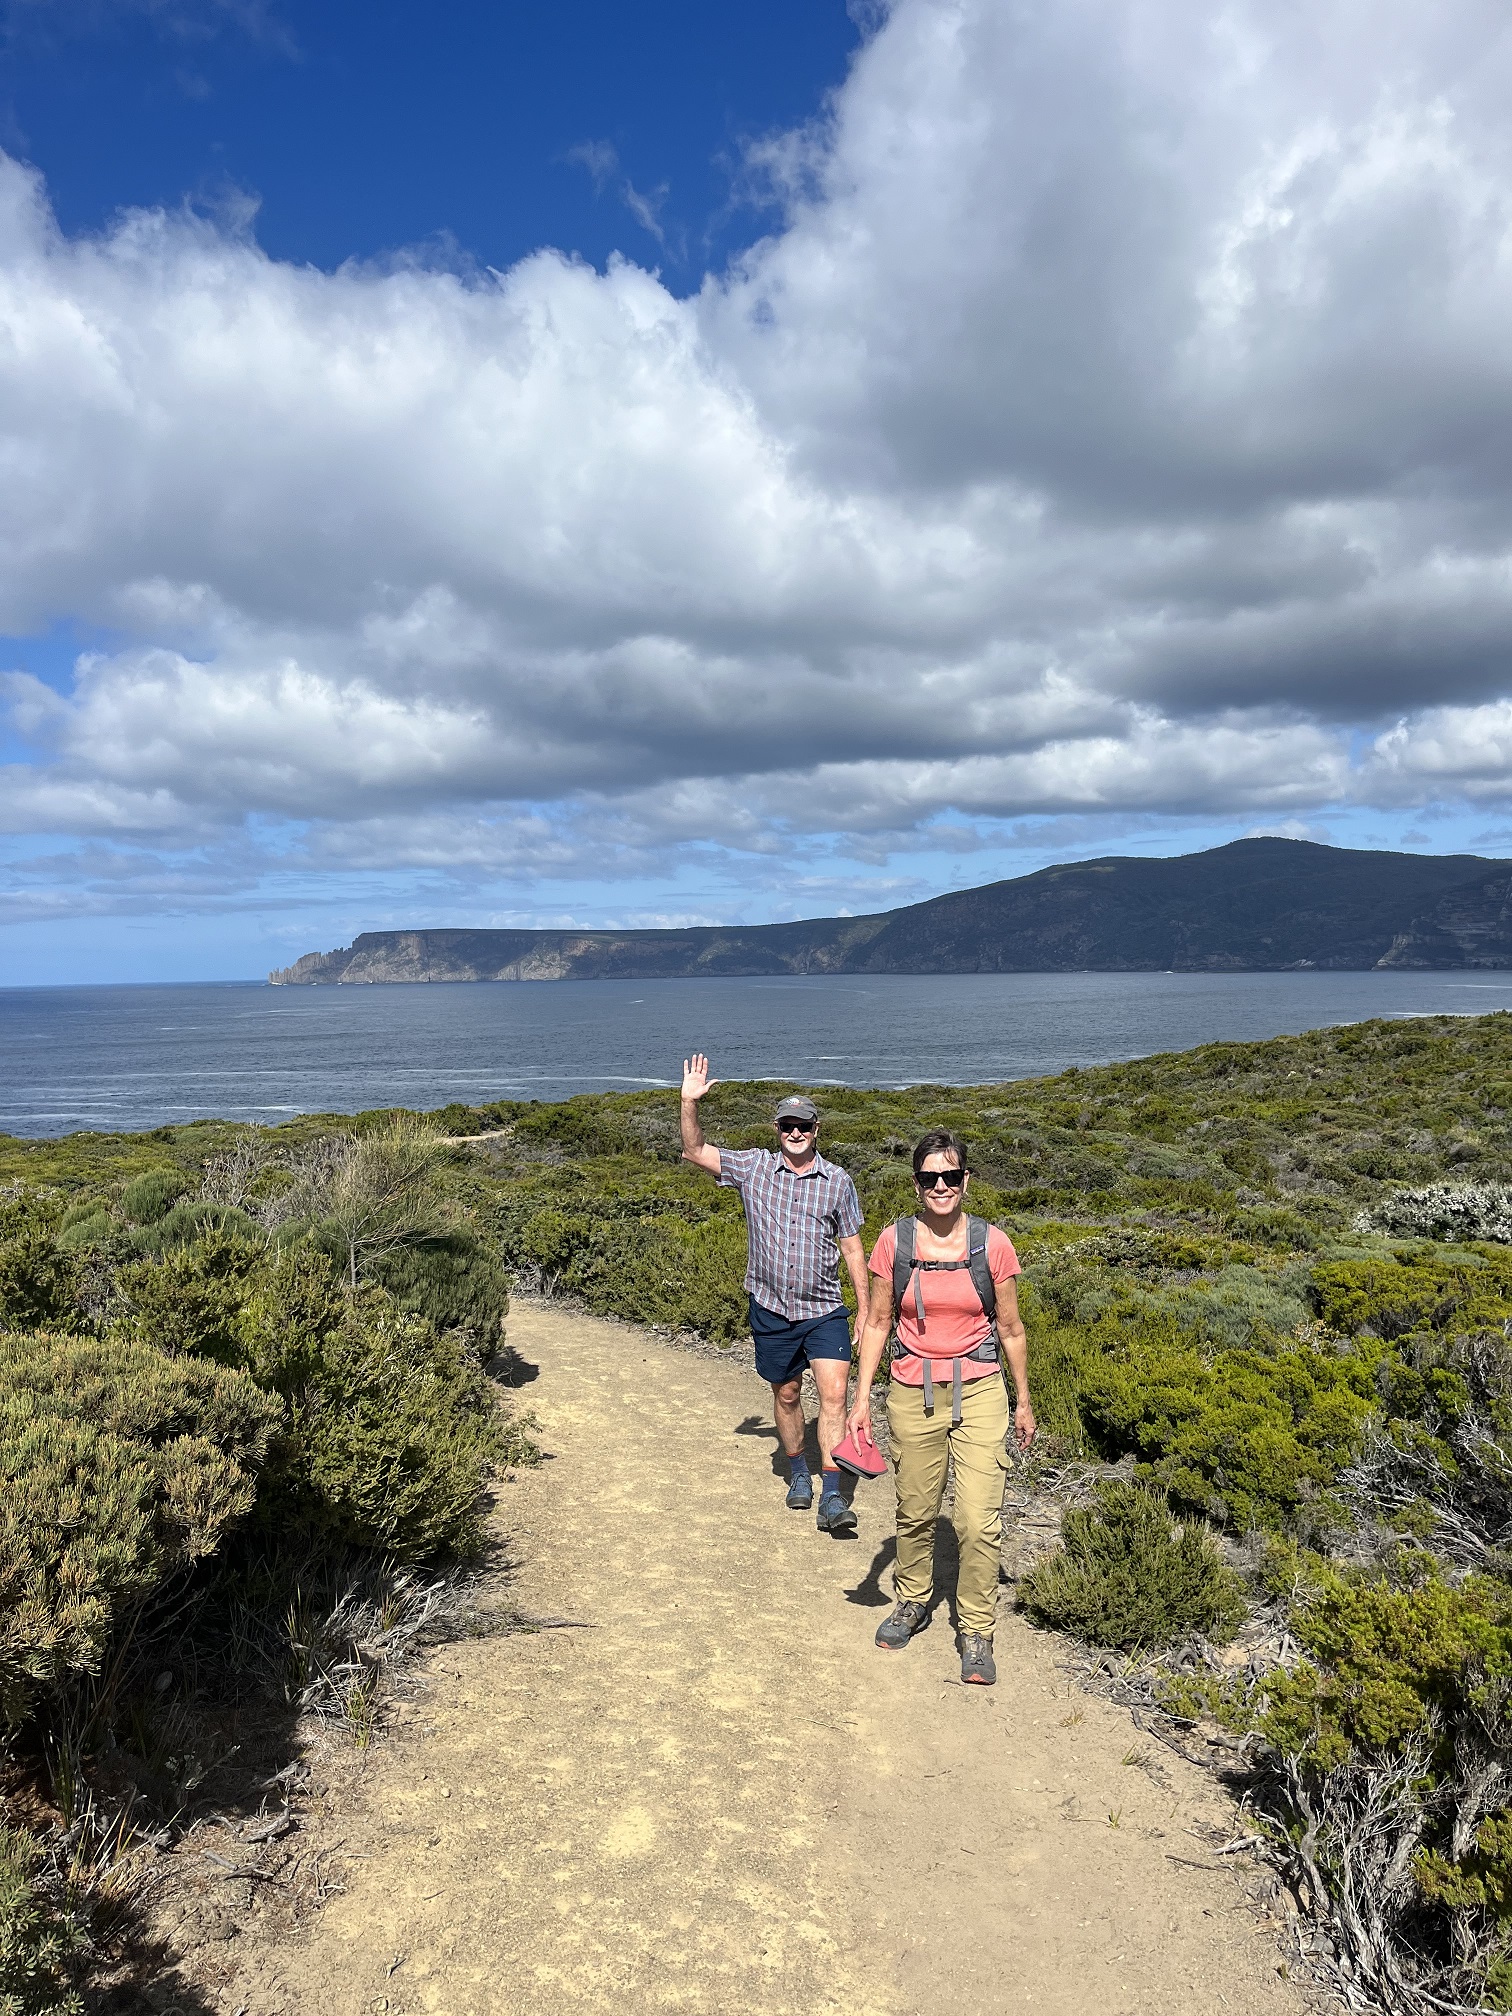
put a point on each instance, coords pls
(135, 1057)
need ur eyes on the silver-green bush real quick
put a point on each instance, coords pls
(1458, 1212)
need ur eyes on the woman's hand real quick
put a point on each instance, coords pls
(1024, 1423)
(858, 1421)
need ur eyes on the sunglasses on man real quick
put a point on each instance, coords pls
(786, 1125)
(930, 1179)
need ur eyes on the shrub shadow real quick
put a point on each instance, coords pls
(507, 1368)
(205, 1746)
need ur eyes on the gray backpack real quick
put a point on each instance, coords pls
(908, 1267)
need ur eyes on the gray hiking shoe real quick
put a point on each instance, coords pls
(895, 1631)
(834, 1515)
(978, 1667)
(800, 1493)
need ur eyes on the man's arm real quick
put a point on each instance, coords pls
(853, 1253)
(696, 1082)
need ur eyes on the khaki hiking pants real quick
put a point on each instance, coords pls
(922, 1444)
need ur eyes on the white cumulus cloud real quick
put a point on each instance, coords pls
(1116, 422)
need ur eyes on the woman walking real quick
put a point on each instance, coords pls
(947, 1280)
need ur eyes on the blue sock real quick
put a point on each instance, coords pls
(797, 1467)
(829, 1484)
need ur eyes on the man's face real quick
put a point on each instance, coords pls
(796, 1136)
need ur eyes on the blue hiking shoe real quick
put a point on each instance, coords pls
(801, 1493)
(835, 1516)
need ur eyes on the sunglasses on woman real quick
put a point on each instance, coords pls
(928, 1179)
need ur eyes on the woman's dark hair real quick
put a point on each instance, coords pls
(938, 1142)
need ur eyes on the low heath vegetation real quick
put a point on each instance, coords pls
(1271, 1283)
(243, 1377)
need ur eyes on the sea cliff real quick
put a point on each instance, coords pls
(1260, 905)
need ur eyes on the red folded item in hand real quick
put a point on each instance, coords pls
(865, 1458)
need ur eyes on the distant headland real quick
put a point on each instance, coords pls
(1252, 906)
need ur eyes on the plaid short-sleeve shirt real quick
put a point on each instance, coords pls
(794, 1221)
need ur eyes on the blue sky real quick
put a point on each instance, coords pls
(363, 129)
(677, 463)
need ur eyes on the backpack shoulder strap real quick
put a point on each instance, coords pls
(903, 1259)
(981, 1274)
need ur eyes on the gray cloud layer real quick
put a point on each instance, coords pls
(1119, 422)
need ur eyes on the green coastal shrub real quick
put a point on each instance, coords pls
(150, 1196)
(670, 1256)
(1058, 1370)
(1246, 1437)
(1149, 1250)
(557, 1241)
(239, 1375)
(38, 1280)
(294, 1305)
(194, 1219)
(180, 1381)
(577, 1128)
(390, 1441)
(1388, 1750)
(1280, 1225)
(1478, 1884)
(85, 1225)
(391, 1426)
(452, 1280)
(118, 1465)
(375, 1192)
(34, 1946)
(1391, 1656)
(1414, 1289)
(1129, 1576)
(190, 1300)
(1439, 1466)
(664, 1271)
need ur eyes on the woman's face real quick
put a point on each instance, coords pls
(941, 1200)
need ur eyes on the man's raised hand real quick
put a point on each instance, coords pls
(696, 1079)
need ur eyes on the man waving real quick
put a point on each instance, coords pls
(802, 1214)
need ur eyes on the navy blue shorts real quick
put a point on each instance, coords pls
(783, 1348)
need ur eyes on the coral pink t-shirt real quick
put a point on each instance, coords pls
(954, 1320)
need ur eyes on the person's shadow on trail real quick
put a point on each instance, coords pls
(757, 1425)
(870, 1594)
(753, 1424)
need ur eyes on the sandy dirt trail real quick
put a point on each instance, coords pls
(721, 1797)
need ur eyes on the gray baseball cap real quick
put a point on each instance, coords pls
(797, 1107)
